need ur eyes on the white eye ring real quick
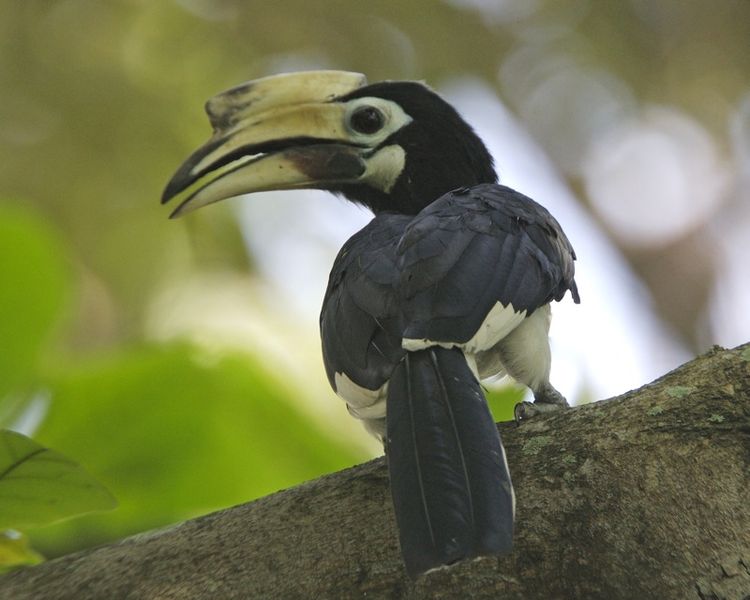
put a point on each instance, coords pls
(371, 120)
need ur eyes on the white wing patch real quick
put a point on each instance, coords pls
(498, 323)
(361, 402)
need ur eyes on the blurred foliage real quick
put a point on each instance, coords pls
(40, 486)
(100, 101)
(15, 551)
(503, 400)
(174, 433)
(36, 286)
(170, 429)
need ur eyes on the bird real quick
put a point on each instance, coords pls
(450, 283)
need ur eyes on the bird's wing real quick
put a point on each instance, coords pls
(359, 322)
(437, 276)
(472, 249)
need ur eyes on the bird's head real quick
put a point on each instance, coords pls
(393, 146)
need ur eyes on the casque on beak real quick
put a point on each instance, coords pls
(279, 132)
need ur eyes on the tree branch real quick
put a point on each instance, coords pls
(642, 496)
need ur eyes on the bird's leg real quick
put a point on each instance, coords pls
(546, 399)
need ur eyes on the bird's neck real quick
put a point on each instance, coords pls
(415, 189)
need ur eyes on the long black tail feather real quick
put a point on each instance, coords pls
(450, 483)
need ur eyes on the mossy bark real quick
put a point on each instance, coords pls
(642, 496)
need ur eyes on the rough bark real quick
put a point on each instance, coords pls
(642, 496)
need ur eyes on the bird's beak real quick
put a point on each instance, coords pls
(279, 132)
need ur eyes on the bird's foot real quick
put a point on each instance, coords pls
(546, 399)
(526, 410)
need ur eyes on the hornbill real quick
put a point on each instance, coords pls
(448, 284)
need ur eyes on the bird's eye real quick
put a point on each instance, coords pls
(367, 120)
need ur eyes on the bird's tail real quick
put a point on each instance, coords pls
(450, 483)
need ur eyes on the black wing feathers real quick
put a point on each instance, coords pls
(475, 247)
(359, 322)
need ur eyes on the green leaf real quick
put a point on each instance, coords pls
(40, 486)
(503, 400)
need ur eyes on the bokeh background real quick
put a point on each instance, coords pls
(179, 360)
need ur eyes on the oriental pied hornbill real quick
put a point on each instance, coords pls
(449, 283)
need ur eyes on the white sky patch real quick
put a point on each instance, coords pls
(499, 11)
(563, 103)
(294, 237)
(655, 177)
(25, 415)
(729, 316)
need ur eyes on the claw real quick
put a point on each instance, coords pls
(547, 394)
(525, 410)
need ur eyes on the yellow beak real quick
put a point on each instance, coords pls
(279, 132)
